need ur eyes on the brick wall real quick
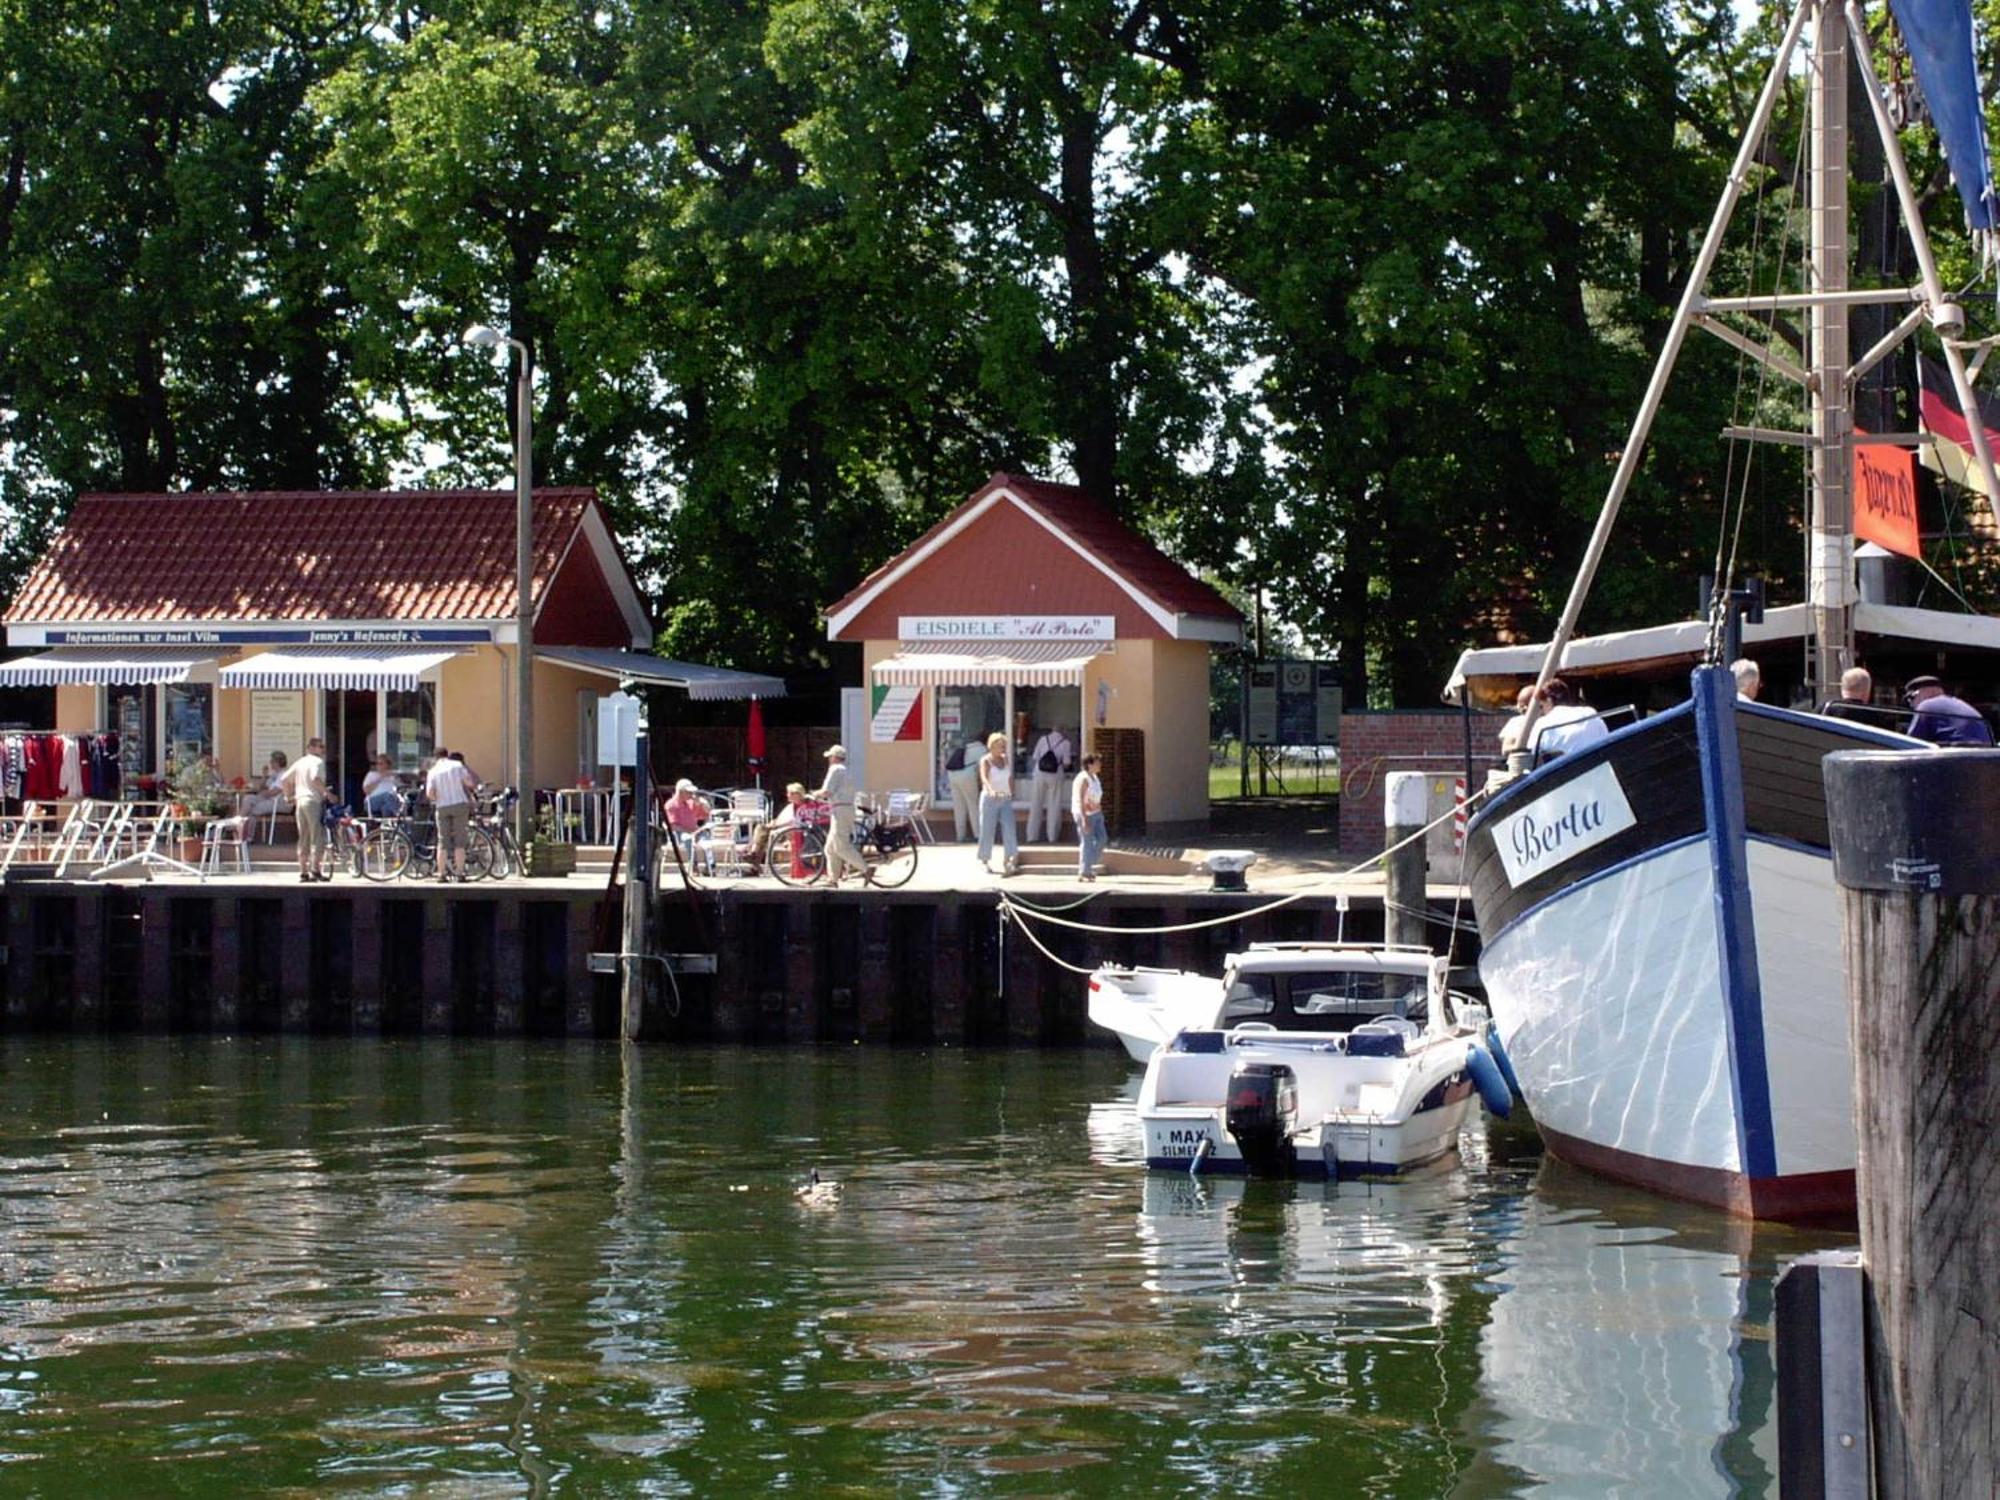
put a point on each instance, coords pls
(1428, 740)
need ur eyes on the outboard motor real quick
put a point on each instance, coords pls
(1262, 1113)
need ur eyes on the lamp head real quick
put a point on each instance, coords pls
(486, 337)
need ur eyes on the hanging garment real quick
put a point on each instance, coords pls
(71, 772)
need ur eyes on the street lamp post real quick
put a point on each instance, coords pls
(524, 574)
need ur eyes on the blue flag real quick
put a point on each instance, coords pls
(1939, 36)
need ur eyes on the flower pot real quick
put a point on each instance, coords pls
(544, 859)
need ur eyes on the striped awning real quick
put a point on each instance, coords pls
(988, 664)
(358, 669)
(109, 666)
(699, 682)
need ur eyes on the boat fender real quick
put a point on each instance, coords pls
(1486, 1078)
(1200, 1155)
(1505, 1063)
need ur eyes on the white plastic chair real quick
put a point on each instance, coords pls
(908, 807)
(219, 839)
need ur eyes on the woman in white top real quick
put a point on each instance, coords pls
(996, 803)
(1086, 805)
(379, 793)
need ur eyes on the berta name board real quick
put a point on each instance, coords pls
(1006, 628)
(1558, 826)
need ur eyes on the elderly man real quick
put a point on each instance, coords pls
(1749, 678)
(1941, 718)
(1856, 689)
(837, 792)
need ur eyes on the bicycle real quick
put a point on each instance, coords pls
(888, 848)
(492, 820)
(407, 845)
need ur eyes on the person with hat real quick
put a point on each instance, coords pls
(837, 792)
(687, 814)
(1941, 718)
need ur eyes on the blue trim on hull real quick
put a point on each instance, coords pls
(1525, 787)
(1735, 927)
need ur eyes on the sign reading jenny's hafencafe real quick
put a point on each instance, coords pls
(1006, 627)
(262, 635)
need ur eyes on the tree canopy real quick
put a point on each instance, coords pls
(1348, 305)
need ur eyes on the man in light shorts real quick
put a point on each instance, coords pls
(304, 781)
(446, 789)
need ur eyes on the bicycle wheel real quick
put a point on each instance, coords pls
(385, 852)
(506, 858)
(798, 857)
(480, 856)
(890, 857)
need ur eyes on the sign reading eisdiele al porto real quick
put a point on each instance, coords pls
(1885, 497)
(1006, 628)
(265, 635)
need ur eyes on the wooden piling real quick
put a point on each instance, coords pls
(1406, 866)
(1916, 844)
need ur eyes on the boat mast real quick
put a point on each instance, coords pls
(1830, 577)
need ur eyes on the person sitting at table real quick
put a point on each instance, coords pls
(687, 813)
(379, 793)
(263, 804)
(783, 821)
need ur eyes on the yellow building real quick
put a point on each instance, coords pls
(1030, 608)
(242, 624)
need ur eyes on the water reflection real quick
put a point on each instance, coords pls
(372, 1268)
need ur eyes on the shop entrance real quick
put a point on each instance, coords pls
(351, 737)
(967, 715)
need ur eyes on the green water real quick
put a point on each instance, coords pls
(313, 1267)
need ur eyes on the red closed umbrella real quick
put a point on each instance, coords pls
(754, 740)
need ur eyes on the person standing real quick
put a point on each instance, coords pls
(996, 804)
(961, 774)
(1856, 688)
(447, 789)
(837, 792)
(1941, 718)
(1050, 762)
(304, 781)
(1086, 806)
(1749, 678)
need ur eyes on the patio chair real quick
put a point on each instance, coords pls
(905, 806)
(226, 838)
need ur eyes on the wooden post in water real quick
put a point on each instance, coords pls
(1916, 852)
(1406, 869)
(634, 943)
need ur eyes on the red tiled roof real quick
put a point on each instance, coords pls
(294, 555)
(1101, 534)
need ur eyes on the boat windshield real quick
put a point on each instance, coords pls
(1335, 1000)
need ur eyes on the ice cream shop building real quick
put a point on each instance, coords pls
(1029, 609)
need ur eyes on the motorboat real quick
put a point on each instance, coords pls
(1146, 1008)
(1314, 1060)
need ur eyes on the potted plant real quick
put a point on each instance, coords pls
(196, 791)
(545, 854)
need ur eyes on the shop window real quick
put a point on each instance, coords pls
(190, 721)
(1037, 710)
(412, 728)
(128, 713)
(965, 716)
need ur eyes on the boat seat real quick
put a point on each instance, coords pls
(1385, 1036)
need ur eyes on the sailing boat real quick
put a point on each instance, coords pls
(1660, 927)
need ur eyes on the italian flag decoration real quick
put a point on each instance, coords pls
(895, 713)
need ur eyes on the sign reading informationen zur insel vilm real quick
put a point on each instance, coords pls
(1559, 825)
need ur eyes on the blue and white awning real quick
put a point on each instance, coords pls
(359, 669)
(109, 666)
(988, 663)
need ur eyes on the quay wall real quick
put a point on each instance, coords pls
(790, 967)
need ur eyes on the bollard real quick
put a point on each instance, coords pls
(1407, 869)
(1916, 853)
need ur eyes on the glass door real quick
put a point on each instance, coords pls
(351, 739)
(965, 717)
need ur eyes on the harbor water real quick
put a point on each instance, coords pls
(302, 1266)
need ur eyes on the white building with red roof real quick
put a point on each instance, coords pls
(384, 621)
(1031, 608)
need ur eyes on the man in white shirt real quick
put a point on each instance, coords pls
(304, 782)
(447, 788)
(837, 792)
(1566, 726)
(1049, 761)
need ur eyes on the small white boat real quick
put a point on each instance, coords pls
(1310, 1059)
(1148, 1007)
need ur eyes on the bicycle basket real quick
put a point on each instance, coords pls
(893, 837)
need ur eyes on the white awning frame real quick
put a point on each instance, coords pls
(110, 666)
(988, 663)
(703, 684)
(358, 669)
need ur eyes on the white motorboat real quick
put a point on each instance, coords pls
(1146, 1008)
(1313, 1059)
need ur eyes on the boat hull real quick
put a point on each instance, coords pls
(1663, 965)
